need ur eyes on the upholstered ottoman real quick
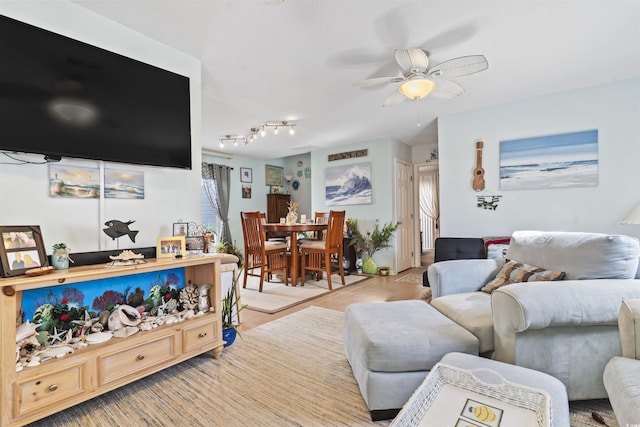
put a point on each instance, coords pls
(392, 346)
(511, 373)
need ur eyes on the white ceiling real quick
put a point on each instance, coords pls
(297, 60)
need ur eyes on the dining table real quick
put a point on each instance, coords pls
(293, 230)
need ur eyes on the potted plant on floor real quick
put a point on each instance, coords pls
(370, 242)
(230, 309)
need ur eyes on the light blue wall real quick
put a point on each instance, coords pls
(381, 154)
(613, 109)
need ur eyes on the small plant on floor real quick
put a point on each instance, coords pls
(372, 241)
(231, 307)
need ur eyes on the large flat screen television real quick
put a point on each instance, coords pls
(61, 97)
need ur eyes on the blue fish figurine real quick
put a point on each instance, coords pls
(118, 229)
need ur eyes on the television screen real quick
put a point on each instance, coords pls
(64, 98)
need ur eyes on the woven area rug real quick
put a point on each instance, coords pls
(288, 372)
(275, 296)
(410, 278)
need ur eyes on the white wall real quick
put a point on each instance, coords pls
(170, 194)
(381, 154)
(303, 194)
(613, 109)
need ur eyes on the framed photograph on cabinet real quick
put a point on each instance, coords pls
(180, 228)
(194, 244)
(273, 176)
(21, 249)
(246, 175)
(171, 246)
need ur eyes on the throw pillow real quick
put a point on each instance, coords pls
(515, 272)
(496, 247)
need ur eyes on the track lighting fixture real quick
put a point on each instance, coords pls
(258, 130)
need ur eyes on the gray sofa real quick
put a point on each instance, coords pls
(567, 328)
(622, 374)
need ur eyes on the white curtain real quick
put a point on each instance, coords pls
(429, 199)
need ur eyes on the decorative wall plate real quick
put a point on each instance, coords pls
(295, 184)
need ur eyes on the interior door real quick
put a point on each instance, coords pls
(403, 178)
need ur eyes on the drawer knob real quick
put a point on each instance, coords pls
(140, 356)
(53, 387)
(202, 334)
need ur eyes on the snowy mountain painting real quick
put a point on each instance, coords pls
(556, 161)
(348, 185)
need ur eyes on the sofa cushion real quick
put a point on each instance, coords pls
(579, 255)
(516, 272)
(472, 311)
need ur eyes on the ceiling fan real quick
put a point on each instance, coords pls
(418, 80)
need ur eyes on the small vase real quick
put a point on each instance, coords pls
(292, 217)
(60, 259)
(229, 335)
(359, 265)
(369, 266)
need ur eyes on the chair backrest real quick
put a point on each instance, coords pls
(252, 231)
(335, 229)
(321, 218)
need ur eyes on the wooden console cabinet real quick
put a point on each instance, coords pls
(36, 392)
(277, 207)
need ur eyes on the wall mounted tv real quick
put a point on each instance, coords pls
(64, 98)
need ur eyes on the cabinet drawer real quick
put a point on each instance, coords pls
(198, 336)
(45, 390)
(119, 364)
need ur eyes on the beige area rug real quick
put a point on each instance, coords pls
(275, 296)
(288, 372)
(411, 278)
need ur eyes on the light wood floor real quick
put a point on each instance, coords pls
(375, 289)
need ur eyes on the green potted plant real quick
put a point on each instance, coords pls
(230, 309)
(370, 242)
(60, 256)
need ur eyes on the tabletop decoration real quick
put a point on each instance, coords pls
(292, 216)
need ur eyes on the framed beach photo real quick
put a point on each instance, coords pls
(21, 249)
(246, 175)
(273, 175)
(170, 246)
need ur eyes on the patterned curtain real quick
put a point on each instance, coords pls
(429, 204)
(217, 183)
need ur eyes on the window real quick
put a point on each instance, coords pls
(209, 215)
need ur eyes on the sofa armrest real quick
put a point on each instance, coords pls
(463, 275)
(629, 324)
(526, 306)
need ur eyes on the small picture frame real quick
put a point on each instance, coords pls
(194, 244)
(246, 175)
(170, 246)
(276, 189)
(273, 176)
(180, 228)
(21, 249)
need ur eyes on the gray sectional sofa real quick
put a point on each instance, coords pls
(566, 328)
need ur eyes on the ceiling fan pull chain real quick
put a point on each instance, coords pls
(417, 111)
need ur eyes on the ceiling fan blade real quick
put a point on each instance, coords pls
(394, 99)
(377, 81)
(412, 59)
(446, 89)
(462, 66)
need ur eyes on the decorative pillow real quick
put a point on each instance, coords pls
(515, 272)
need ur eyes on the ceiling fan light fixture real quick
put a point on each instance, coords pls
(417, 88)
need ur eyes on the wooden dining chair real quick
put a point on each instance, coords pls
(268, 256)
(319, 218)
(316, 255)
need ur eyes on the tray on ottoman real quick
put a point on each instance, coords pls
(455, 397)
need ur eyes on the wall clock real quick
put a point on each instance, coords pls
(295, 184)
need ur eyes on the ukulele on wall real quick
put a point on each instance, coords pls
(478, 172)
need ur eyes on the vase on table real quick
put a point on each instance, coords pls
(369, 266)
(60, 259)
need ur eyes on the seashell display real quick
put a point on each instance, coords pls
(189, 296)
(127, 331)
(98, 337)
(55, 352)
(123, 315)
(104, 318)
(26, 330)
(203, 300)
(126, 255)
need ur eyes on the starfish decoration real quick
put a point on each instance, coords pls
(86, 323)
(162, 308)
(57, 336)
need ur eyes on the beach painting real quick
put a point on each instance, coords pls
(555, 161)
(74, 182)
(348, 184)
(123, 184)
